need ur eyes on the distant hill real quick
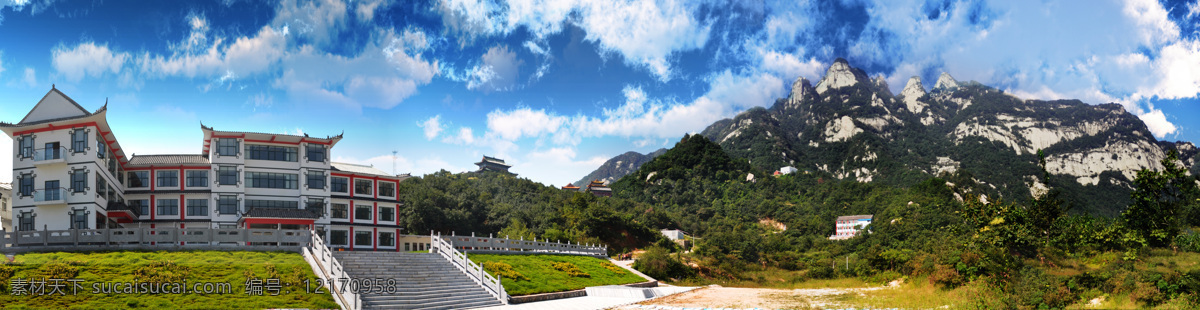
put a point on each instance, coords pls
(618, 166)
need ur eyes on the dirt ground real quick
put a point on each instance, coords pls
(716, 296)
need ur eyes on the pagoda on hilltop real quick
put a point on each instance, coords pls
(493, 164)
(571, 187)
(599, 188)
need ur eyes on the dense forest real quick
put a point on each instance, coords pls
(939, 230)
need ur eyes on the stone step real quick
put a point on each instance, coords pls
(423, 299)
(426, 292)
(426, 285)
(452, 303)
(472, 305)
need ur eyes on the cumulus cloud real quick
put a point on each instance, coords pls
(646, 33)
(87, 59)
(1157, 122)
(638, 117)
(244, 56)
(497, 70)
(432, 127)
(316, 21)
(30, 77)
(557, 165)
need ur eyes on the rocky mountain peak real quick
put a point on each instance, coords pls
(800, 88)
(839, 75)
(881, 84)
(945, 81)
(911, 92)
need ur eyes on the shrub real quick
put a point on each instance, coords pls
(503, 270)
(56, 270)
(168, 272)
(570, 269)
(659, 264)
(614, 268)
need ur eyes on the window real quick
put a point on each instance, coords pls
(227, 147)
(79, 181)
(143, 204)
(26, 223)
(79, 219)
(139, 179)
(27, 185)
(197, 178)
(272, 180)
(52, 151)
(339, 185)
(315, 152)
(27, 146)
(386, 238)
(52, 192)
(79, 141)
(101, 186)
(270, 152)
(316, 180)
(387, 189)
(227, 204)
(284, 204)
(338, 237)
(362, 187)
(100, 147)
(362, 212)
(168, 207)
(362, 238)
(168, 178)
(227, 175)
(386, 213)
(316, 205)
(340, 211)
(197, 207)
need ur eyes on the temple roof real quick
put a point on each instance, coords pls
(356, 168)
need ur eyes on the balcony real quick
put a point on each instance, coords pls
(49, 196)
(49, 156)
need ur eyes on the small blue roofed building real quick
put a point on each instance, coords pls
(849, 226)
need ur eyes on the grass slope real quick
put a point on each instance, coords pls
(533, 274)
(193, 267)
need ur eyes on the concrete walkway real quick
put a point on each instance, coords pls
(610, 297)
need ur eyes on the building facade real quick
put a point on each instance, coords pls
(849, 226)
(493, 164)
(70, 172)
(5, 202)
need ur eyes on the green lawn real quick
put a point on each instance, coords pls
(533, 274)
(95, 270)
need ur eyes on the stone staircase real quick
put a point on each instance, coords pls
(423, 281)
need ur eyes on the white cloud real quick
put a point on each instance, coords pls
(366, 9)
(30, 77)
(432, 127)
(465, 136)
(1, 62)
(1157, 122)
(318, 21)
(789, 66)
(646, 33)
(523, 122)
(87, 59)
(245, 56)
(638, 117)
(382, 76)
(504, 64)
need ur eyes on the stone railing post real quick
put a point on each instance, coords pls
(45, 235)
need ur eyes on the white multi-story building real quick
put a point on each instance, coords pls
(849, 226)
(5, 202)
(69, 172)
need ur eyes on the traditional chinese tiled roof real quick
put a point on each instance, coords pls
(855, 217)
(356, 168)
(280, 213)
(177, 159)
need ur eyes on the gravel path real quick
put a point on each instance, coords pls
(715, 296)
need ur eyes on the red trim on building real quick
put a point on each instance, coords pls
(351, 237)
(182, 208)
(181, 178)
(396, 239)
(351, 211)
(152, 203)
(397, 216)
(375, 213)
(375, 235)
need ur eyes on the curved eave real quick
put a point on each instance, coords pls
(98, 119)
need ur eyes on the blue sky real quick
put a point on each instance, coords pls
(558, 86)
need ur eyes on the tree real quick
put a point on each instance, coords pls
(1159, 199)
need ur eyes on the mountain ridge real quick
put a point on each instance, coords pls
(849, 126)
